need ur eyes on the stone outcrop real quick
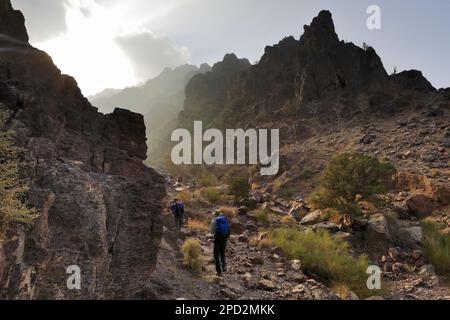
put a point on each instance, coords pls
(206, 93)
(12, 24)
(412, 79)
(420, 206)
(99, 204)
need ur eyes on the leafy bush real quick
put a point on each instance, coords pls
(12, 189)
(211, 194)
(437, 246)
(324, 257)
(191, 252)
(348, 175)
(239, 187)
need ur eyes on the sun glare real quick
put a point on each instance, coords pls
(88, 51)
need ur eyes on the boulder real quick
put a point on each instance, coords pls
(368, 138)
(377, 237)
(278, 210)
(243, 210)
(352, 296)
(266, 285)
(427, 271)
(296, 265)
(420, 206)
(257, 260)
(249, 203)
(312, 218)
(297, 276)
(298, 210)
(327, 226)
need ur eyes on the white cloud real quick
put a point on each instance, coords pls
(103, 46)
(50, 11)
(151, 54)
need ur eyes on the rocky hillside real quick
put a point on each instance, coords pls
(160, 100)
(328, 96)
(99, 205)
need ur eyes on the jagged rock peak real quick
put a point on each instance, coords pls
(12, 23)
(412, 79)
(320, 34)
(231, 62)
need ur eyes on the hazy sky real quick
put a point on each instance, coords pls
(117, 43)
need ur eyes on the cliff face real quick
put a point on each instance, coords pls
(317, 76)
(99, 204)
(206, 93)
(12, 23)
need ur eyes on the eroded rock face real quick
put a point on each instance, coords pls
(305, 77)
(12, 23)
(99, 204)
(205, 93)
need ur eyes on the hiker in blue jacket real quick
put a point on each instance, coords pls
(177, 209)
(220, 228)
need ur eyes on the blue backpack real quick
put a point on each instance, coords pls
(222, 226)
(177, 209)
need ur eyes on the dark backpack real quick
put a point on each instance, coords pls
(178, 209)
(222, 226)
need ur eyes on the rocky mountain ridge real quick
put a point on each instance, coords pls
(318, 91)
(160, 100)
(99, 205)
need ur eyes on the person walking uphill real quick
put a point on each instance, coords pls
(177, 209)
(220, 228)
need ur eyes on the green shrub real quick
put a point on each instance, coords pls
(263, 216)
(191, 252)
(211, 194)
(348, 175)
(437, 246)
(239, 187)
(12, 189)
(286, 192)
(207, 180)
(324, 257)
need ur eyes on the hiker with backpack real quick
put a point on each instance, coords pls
(220, 228)
(177, 209)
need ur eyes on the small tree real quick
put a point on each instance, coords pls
(12, 188)
(348, 175)
(239, 187)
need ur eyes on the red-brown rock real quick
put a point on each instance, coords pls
(420, 206)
